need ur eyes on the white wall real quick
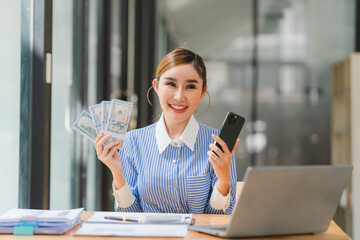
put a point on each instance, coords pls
(10, 30)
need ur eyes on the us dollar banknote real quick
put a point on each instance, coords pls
(118, 120)
(105, 113)
(84, 125)
(96, 112)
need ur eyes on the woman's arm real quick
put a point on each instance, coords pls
(221, 160)
(109, 156)
(218, 203)
(224, 181)
(126, 197)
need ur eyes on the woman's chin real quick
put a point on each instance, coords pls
(177, 116)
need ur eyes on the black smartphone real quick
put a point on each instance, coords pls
(230, 130)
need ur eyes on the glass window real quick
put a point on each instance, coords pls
(73, 159)
(61, 131)
(296, 50)
(10, 103)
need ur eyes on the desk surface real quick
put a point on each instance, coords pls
(334, 232)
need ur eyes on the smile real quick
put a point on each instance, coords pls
(178, 108)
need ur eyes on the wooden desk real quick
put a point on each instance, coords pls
(333, 232)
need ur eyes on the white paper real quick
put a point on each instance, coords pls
(63, 216)
(148, 218)
(43, 230)
(49, 221)
(133, 230)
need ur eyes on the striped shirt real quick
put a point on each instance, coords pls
(166, 175)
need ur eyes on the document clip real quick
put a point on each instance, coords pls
(26, 226)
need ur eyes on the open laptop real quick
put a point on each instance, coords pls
(284, 200)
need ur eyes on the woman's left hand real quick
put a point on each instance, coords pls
(221, 163)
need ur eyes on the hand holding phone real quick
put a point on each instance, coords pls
(229, 133)
(230, 130)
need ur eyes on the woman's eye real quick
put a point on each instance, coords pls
(191, 86)
(171, 84)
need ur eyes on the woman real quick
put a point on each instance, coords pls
(171, 165)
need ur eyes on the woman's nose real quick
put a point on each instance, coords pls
(179, 95)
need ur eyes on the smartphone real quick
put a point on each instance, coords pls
(230, 130)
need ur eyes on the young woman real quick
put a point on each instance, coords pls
(171, 165)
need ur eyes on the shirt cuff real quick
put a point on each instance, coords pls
(218, 201)
(123, 197)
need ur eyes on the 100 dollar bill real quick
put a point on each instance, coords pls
(84, 125)
(105, 113)
(118, 120)
(96, 114)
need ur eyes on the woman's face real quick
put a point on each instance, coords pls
(180, 91)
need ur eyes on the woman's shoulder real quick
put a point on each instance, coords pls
(206, 129)
(141, 131)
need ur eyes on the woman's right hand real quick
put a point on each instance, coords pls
(108, 154)
(110, 157)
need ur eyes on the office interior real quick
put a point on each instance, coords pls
(270, 61)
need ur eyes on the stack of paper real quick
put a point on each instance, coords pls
(136, 224)
(32, 221)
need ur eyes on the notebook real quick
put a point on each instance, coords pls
(284, 200)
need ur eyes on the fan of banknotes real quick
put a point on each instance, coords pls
(112, 117)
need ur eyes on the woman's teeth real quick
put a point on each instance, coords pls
(177, 107)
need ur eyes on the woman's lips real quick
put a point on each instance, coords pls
(178, 108)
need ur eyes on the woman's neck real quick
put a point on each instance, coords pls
(175, 130)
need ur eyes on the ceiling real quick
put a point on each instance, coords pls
(208, 25)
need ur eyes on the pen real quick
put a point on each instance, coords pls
(124, 219)
(192, 220)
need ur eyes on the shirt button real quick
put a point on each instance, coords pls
(180, 209)
(174, 184)
(176, 144)
(174, 161)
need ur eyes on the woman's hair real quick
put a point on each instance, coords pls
(181, 56)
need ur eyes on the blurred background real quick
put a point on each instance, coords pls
(270, 61)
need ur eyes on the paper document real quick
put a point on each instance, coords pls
(133, 230)
(14, 215)
(143, 218)
(40, 221)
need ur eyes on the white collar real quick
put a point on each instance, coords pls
(188, 136)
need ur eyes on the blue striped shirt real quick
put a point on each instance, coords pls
(177, 180)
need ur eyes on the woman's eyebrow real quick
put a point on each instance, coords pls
(192, 81)
(170, 78)
(189, 80)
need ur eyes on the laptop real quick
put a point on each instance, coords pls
(284, 200)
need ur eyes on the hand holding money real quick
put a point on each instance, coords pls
(109, 156)
(106, 126)
(108, 153)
